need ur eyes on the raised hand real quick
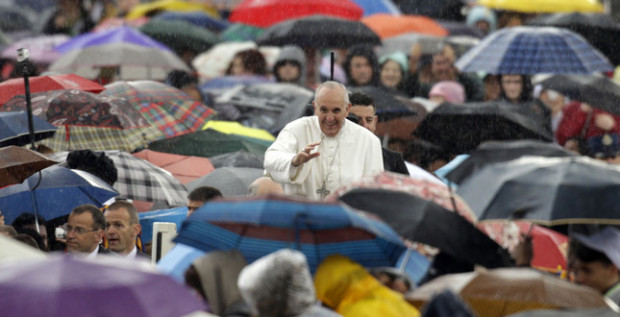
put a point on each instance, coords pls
(305, 155)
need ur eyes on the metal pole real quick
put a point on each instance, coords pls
(331, 66)
(29, 111)
(27, 68)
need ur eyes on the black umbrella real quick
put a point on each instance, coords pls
(551, 191)
(599, 92)
(438, 9)
(496, 152)
(237, 159)
(319, 31)
(15, 18)
(460, 128)
(14, 128)
(387, 104)
(421, 220)
(599, 29)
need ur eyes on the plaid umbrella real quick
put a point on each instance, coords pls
(100, 139)
(533, 50)
(167, 108)
(138, 179)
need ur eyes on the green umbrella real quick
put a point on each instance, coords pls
(241, 33)
(207, 143)
(180, 35)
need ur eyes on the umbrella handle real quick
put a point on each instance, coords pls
(331, 66)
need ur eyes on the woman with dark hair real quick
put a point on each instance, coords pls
(361, 66)
(515, 88)
(248, 62)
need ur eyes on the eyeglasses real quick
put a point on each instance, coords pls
(78, 230)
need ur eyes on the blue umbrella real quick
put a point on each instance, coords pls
(257, 227)
(371, 7)
(177, 260)
(533, 50)
(197, 18)
(54, 192)
(14, 128)
(174, 215)
(120, 35)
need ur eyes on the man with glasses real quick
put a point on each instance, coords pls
(85, 229)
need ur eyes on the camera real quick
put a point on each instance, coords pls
(60, 233)
(22, 54)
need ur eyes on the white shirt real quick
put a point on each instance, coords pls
(345, 158)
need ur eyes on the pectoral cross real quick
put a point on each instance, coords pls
(323, 191)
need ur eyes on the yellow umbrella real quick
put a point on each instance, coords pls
(233, 127)
(544, 6)
(170, 5)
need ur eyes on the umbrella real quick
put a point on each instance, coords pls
(148, 218)
(459, 128)
(14, 87)
(438, 9)
(422, 220)
(183, 168)
(14, 129)
(559, 190)
(214, 62)
(180, 35)
(41, 48)
(533, 50)
(496, 152)
(265, 13)
(15, 18)
(236, 128)
(599, 92)
(268, 106)
(78, 287)
(319, 31)
(231, 81)
(17, 164)
(152, 8)
(594, 27)
(207, 143)
(178, 260)
(388, 25)
(231, 181)
(238, 32)
(544, 6)
(603, 312)
(113, 23)
(14, 250)
(138, 179)
(505, 291)
(386, 103)
(197, 18)
(73, 137)
(53, 192)
(120, 35)
(371, 7)
(167, 108)
(237, 159)
(257, 227)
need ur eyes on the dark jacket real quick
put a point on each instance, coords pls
(394, 162)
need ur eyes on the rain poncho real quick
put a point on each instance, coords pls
(349, 289)
(292, 53)
(280, 285)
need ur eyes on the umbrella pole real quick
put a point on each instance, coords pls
(34, 203)
(27, 68)
(331, 66)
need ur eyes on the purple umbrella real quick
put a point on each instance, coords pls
(65, 286)
(41, 48)
(120, 35)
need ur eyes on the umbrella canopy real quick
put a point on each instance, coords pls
(120, 35)
(167, 108)
(602, 312)
(371, 7)
(599, 92)
(233, 127)
(14, 128)
(460, 128)
(114, 22)
(148, 218)
(319, 31)
(388, 25)
(231, 81)
(237, 159)
(238, 32)
(559, 190)
(438, 9)
(214, 62)
(257, 227)
(265, 13)
(53, 192)
(495, 152)
(14, 250)
(231, 181)
(544, 6)
(73, 137)
(184, 168)
(14, 87)
(151, 8)
(594, 27)
(533, 50)
(17, 164)
(505, 291)
(15, 18)
(421, 220)
(207, 143)
(180, 35)
(71, 289)
(197, 18)
(138, 179)
(387, 104)
(41, 48)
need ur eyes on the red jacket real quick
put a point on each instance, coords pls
(574, 119)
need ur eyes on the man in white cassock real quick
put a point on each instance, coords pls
(313, 156)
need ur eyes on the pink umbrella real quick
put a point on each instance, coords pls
(184, 168)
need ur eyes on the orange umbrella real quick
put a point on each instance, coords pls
(184, 168)
(386, 25)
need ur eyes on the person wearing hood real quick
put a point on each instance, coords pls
(361, 66)
(346, 287)
(290, 66)
(392, 70)
(483, 19)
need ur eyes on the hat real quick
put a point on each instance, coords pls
(604, 146)
(606, 241)
(451, 91)
(398, 57)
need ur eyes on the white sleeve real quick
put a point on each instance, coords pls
(279, 156)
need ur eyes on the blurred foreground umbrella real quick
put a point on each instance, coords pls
(41, 49)
(14, 129)
(422, 220)
(496, 152)
(180, 35)
(231, 181)
(14, 250)
(238, 32)
(258, 227)
(388, 25)
(506, 291)
(559, 190)
(15, 18)
(197, 18)
(533, 50)
(119, 287)
(602, 312)
(17, 164)
(237, 159)
(459, 128)
(599, 92)
(183, 168)
(14, 87)
(319, 31)
(232, 127)
(544, 6)
(53, 192)
(151, 8)
(265, 13)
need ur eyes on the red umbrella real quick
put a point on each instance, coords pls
(184, 168)
(14, 87)
(264, 13)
